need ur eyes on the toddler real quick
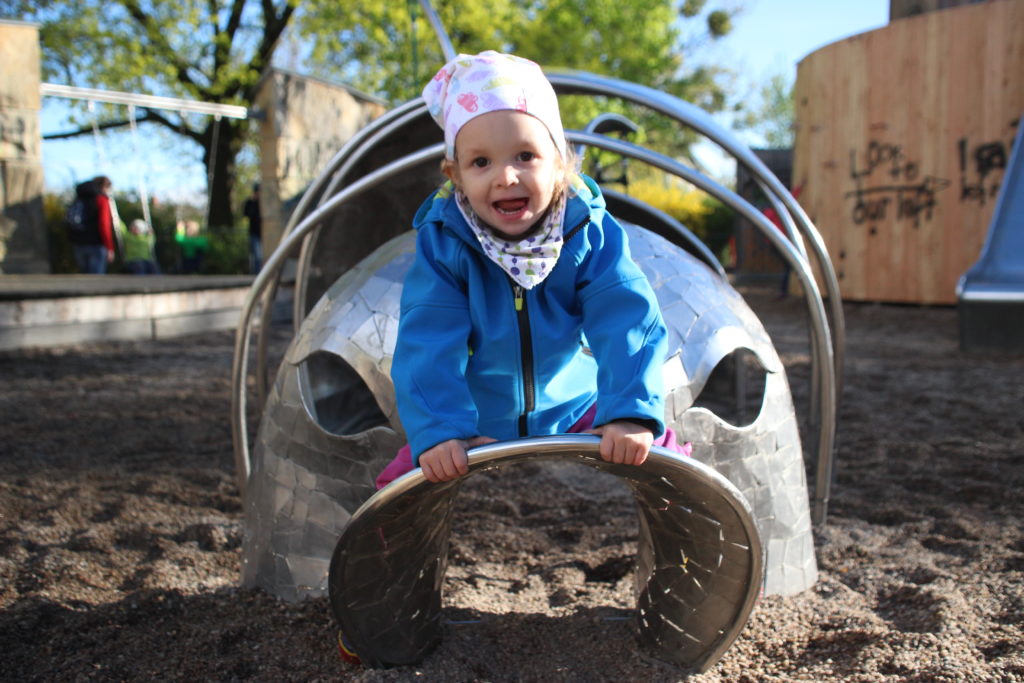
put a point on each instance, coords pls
(523, 313)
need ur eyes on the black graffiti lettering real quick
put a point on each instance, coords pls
(913, 202)
(865, 210)
(977, 164)
(879, 154)
(990, 157)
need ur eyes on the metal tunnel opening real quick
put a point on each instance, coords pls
(336, 396)
(735, 390)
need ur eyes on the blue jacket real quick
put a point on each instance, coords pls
(479, 355)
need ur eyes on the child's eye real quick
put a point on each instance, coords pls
(479, 162)
(527, 156)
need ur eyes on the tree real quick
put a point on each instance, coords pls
(645, 41)
(212, 52)
(216, 51)
(774, 116)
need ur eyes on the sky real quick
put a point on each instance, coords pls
(769, 37)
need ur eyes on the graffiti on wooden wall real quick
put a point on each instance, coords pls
(890, 185)
(982, 166)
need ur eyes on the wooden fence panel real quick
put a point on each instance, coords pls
(903, 135)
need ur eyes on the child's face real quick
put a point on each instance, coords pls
(507, 165)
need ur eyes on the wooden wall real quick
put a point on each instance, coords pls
(903, 135)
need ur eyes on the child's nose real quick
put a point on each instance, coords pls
(508, 175)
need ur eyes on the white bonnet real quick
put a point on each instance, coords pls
(471, 85)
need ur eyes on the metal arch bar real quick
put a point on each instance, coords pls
(820, 337)
(442, 35)
(690, 115)
(662, 465)
(569, 82)
(685, 234)
(355, 154)
(271, 271)
(305, 202)
(327, 177)
(334, 175)
(821, 344)
(605, 123)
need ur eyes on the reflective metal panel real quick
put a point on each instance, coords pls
(699, 559)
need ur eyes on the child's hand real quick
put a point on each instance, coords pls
(447, 460)
(624, 442)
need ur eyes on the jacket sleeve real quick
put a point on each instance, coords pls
(432, 350)
(105, 221)
(623, 324)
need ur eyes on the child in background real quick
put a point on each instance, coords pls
(523, 313)
(139, 243)
(193, 245)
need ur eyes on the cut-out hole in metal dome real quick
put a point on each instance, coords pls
(336, 396)
(735, 389)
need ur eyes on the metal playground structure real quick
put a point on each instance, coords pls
(716, 530)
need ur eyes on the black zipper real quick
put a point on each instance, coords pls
(526, 342)
(526, 353)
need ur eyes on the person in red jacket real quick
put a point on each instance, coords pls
(93, 242)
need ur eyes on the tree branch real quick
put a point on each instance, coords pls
(106, 125)
(166, 51)
(177, 127)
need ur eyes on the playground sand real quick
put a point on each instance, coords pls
(120, 527)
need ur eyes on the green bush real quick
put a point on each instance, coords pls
(228, 253)
(706, 217)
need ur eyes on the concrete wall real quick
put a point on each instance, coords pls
(306, 121)
(23, 242)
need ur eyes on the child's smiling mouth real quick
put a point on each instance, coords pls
(510, 207)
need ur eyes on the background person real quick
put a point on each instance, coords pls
(192, 245)
(252, 212)
(91, 226)
(139, 244)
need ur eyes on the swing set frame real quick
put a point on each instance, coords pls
(133, 101)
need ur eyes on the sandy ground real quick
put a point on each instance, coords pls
(120, 526)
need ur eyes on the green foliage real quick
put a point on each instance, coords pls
(62, 259)
(228, 253)
(774, 116)
(706, 217)
(692, 8)
(719, 23)
(719, 226)
(395, 50)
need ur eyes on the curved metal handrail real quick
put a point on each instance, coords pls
(390, 616)
(821, 343)
(689, 115)
(345, 164)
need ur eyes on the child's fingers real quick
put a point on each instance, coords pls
(428, 471)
